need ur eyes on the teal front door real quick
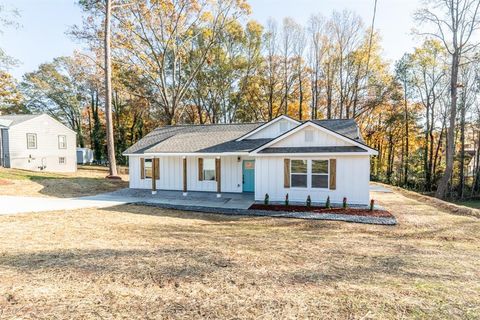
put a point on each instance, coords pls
(248, 175)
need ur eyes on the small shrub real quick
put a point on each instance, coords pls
(286, 199)
(345, 202)
(372, 204)
(309, 201)
(327, 203)
(267, 199)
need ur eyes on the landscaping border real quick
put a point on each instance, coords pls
(278, 214)
(438, 203)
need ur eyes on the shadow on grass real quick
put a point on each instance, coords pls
(78, 186)
(159, 265)
(61, 185)
(229, 220)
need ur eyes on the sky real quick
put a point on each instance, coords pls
(43, 23)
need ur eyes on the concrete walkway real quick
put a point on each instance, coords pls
(22, 204)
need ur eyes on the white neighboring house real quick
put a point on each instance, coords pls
(319, 158)
(37, 142)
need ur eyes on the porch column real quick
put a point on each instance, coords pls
(218, 176)
(184, 176)
(154, 177)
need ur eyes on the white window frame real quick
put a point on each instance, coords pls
(62, 160)
(149, 160)
(209, 160)
(292, 173)
(320, 174)
(34, 135)
(64, 145)
(310, 173)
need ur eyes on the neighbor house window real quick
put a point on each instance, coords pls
(31, 141)
(148, 168)
(319, 174)
(61, 160)
(299, 173)
(209, 169)
(62, 142)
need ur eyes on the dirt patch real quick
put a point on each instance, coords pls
(438, 203)
(4, 182)
(313, 209)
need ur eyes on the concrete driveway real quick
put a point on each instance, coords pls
(21, 204)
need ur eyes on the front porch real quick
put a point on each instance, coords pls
(192, 199)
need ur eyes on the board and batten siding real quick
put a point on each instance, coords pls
(47, 152)
(273, 130)
(319, 138)
(352, 180)
(171, 174)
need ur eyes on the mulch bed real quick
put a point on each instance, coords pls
(347, 211)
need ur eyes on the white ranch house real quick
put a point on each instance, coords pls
(37, 142)
(319, 158)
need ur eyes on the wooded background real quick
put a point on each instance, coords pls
(198, 61)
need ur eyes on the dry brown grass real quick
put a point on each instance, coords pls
(88, 180)
(134, 262)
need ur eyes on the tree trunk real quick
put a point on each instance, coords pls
(461, 184)
(405, 169)
(444, 181)
(300, 98)
(428, 145)
(112, 164)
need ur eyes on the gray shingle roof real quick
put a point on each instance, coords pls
(18, 118)
(313, 149)
(219, 138)
(345, 127)
(195, 138)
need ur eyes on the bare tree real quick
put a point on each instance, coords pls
(316, 53)
(299, 44)
(454, 23)
(112, 163)
(287, 40)
(271, 61)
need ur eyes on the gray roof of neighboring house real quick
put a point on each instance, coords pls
(197, 138)
(220, 138)
(345, 127)
(313, 149)
(18, 118)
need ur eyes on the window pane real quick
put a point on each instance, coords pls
(31, 141)
(209, 175)
(209, 169)
(320, 166)
(299, 166)
(320, 181)
(299, 180)
(148, 168)
(208, 164)
(62, 142)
